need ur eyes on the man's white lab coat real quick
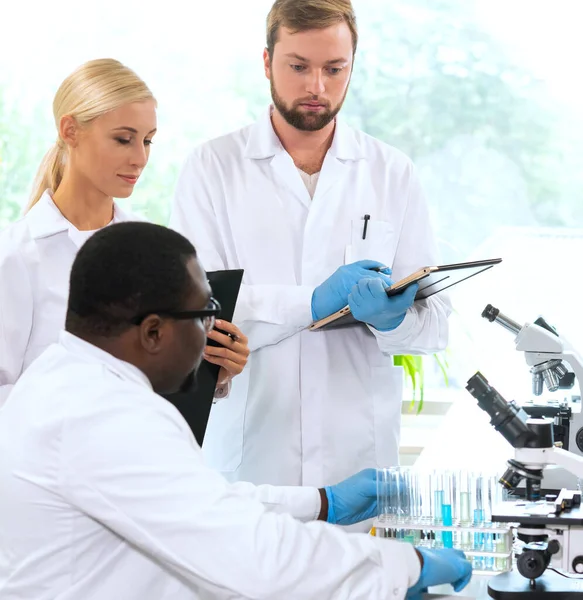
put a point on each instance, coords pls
(105, 495)
(310, 407)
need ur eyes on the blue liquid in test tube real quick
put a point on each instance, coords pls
(478, 537)
(447, 520)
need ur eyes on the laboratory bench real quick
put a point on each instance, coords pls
(477, 589)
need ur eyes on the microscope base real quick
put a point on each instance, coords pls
(549, 586)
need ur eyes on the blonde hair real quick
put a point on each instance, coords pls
(93, 89)
(303, 15)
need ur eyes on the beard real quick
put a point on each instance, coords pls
(303, 120)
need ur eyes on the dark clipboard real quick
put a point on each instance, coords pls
(431, 280)
(195, 404)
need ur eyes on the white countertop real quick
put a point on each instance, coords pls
(477, 589)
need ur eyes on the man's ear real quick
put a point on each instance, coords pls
(266, 63)
(152, 334)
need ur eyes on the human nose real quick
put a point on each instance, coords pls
(315, 83)
(140, 156)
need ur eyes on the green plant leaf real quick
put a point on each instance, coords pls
(414, 371)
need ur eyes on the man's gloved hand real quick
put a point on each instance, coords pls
(369, 303)
(444, 565)
(332, 294)
(354, 499)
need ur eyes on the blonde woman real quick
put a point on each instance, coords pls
(106, 118)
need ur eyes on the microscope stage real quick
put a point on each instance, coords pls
(535, 513)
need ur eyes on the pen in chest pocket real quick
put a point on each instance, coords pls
(366, 220)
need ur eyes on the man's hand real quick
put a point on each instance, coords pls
(233, 353)
(438, 566)
(370, 304)
(354, 499)
(332, 294)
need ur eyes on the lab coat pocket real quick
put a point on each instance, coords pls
(223, 441)
(379, 244)
(387, 385)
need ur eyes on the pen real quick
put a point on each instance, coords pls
(381, 269)
(366, 220)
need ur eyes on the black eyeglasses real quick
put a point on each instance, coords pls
(208, 315)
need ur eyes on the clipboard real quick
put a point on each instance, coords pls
(195, 402)
(431, 280)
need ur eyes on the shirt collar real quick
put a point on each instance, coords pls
(92, 353)
(45, 219)
(264, 143)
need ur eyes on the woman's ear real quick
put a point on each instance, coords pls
(69, 130)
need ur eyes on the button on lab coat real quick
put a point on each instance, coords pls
(36, 256)
(105, 495)
(310, 407)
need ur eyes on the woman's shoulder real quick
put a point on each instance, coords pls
(15, 234)
(14, 240)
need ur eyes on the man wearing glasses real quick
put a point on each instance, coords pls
(104, 491)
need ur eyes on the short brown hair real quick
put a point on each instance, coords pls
(303, 15)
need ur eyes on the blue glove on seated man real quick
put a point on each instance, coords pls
(332, 294)
(443, 565)
(354, 499)
(370, 304)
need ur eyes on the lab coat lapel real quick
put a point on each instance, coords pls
(285, 174)
(268, 208)
(263, 143)
(344, 150)
(333, 172)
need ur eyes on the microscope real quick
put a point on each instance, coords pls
(546, 353)
(550, 529)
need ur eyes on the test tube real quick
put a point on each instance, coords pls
(479, 517)
(437, 485)
(410, 495)
(383, 493)
(447, 507)
(426, 496)
(501, 545)
(501, 541)
(404, 494)
(492, 484)
(465, 502)
(424, 480)
(387, 501)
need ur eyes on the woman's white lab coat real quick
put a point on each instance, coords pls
(36, 256)
(311, 407)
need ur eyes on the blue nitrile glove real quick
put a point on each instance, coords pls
(369, 303)
(332, 294)
(442, 565)
(354, 499)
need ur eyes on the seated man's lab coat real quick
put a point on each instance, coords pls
(105, 495)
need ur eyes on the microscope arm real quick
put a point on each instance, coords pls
(569, 460)
(542, 457)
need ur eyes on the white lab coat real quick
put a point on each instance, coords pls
(105, 495)
(311, 407)
(36, 256)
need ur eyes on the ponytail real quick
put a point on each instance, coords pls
(49, 174)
